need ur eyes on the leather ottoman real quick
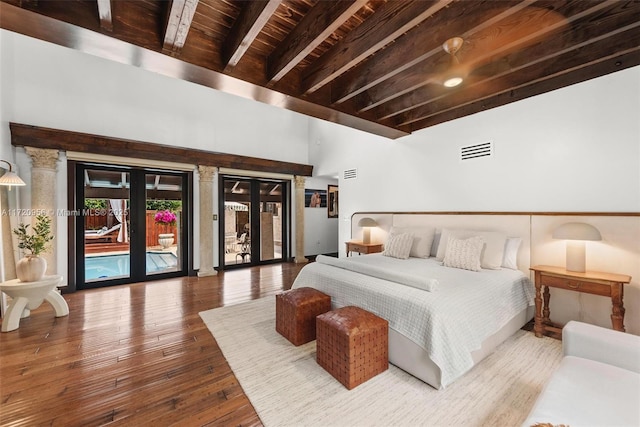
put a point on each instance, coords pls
(296, 312)
(352, 344)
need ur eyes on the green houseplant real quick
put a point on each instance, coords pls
(32, 267)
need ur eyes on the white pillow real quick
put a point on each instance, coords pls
(464, 253)
(510, 258)
(422, 239)
(398, 246)
(491, 257)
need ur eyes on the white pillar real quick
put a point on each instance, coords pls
(207, 174)
(299, 194)
(43, 192)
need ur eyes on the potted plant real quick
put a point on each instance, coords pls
(32, 267)
(166, 218)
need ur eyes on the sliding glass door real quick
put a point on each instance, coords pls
(255, 223)
(132, 227)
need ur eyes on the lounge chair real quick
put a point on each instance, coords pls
(104, 235)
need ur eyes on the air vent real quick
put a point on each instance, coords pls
(350, 174)
(476, 151)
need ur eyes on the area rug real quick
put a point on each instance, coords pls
(288, 388)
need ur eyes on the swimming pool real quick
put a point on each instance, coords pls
(112, 266)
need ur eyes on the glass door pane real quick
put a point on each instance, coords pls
(106, 225)
(237, 221)
(270, 220)
(163, 223)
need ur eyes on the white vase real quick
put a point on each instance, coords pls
(31, 268)
(165, 240)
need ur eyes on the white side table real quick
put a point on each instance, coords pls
(28, 296)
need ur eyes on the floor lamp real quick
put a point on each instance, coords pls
(9, 179)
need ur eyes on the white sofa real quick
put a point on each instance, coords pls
(597, 382)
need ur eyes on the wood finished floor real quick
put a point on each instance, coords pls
(132, 355)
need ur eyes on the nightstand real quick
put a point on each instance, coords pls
(363, 248)
(591, 282)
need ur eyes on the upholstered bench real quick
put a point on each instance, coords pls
(352, 345)
(296, 312)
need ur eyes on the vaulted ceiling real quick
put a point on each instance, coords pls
(375, 65)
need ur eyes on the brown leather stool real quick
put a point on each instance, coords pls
(352, 345)
(296, 312)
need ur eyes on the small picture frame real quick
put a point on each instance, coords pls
(332, 201)
(315, 198)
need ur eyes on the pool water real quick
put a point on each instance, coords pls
(112, 266)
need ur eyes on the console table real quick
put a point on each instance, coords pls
(27, 296)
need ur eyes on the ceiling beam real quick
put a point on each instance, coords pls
(423, 74)
(253, 17)
(104, 13)
(178, 24)
(39, 137)
(388, 23)
(316, 26)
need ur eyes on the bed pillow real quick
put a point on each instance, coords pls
(422, 239)
(492, 253)
(464, 253)
(510, 257)
(398, 246)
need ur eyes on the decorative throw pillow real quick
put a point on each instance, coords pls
(510, 258)
(492, 252)
(422, 239)
(398, 246)
(464, 253)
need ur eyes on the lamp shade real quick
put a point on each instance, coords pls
(10, 178)
(367, 222)
(576, 231)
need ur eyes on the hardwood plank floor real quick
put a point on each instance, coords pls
(132, 355)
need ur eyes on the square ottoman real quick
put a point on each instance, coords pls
(352, 345)
(296, 312)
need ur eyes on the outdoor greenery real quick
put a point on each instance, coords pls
(152, 205)
(36, 242)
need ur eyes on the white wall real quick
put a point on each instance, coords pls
(47, 85)
(320, 231)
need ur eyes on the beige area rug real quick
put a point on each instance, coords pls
(288, 388)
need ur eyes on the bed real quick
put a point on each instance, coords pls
(442, 320)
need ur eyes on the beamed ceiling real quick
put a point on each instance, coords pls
(374, 65)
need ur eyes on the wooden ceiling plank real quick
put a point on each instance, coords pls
(321, 21)
(420, 44)
(388, 23)
(554, 65)
(587, 29)
(384, 93)
(40, 137)
(600, 67)
(253, 17)
(178, 24)
(104, 13)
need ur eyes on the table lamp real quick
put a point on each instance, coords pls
(366, 224)
(576, 233)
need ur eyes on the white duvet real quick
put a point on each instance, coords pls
(448, 322)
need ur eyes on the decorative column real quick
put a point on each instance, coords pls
(43, 193)
(206, 221)
(299, 194)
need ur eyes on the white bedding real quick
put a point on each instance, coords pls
(448, 323)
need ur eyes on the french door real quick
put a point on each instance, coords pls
(133, 225)
(254, 226)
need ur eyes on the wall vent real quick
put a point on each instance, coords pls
(350, 174)
(476, 151)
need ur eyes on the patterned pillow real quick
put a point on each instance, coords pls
(398, 246)
(464, 253)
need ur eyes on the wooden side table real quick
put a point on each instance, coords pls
(363, 248)
(592, 282)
